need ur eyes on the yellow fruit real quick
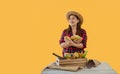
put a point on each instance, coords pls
(75, 37)
(81, 54)
(67, 55)
(76, 55)
(67, 37)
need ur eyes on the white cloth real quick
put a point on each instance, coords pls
(103, 68)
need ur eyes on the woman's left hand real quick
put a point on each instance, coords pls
(70, 43)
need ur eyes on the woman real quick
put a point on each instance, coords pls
(75, 21)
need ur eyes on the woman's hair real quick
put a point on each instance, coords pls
(69, 29)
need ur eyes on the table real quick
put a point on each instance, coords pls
(103, 68)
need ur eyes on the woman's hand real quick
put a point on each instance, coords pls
(70, 43)
(77, 43)
(67, 44)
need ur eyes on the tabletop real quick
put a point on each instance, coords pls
(103, 68)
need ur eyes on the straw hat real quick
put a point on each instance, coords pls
(76, 14)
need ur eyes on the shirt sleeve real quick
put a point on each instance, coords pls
(62, 37)
(84, 41)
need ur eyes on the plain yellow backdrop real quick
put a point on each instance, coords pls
(30, 31)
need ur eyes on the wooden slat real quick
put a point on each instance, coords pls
(81, 62)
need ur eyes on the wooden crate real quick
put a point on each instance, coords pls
(72, 62)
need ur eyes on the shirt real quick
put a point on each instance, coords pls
(73, 49)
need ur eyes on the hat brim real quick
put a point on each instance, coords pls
(76, 14)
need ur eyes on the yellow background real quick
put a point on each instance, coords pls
(30, 31)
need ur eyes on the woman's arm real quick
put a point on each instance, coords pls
(63, 42)
(80, 45)
(64, 45)
(67, 43)
(71, 43)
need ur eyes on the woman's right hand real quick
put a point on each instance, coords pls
(67, 43)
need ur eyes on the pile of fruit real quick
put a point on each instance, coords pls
(75, 55)
(74, 38)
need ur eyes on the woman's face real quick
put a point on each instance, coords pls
(73, 20)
